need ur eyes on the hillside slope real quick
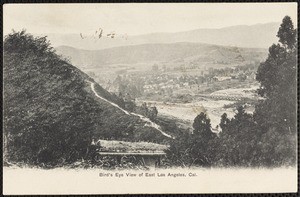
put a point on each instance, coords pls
(147, 53)
(51, 112)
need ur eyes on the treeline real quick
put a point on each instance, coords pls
(266, 138)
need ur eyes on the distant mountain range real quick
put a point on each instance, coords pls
(253, 36)
(191, 53)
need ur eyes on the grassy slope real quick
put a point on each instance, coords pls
(48, 102)
(197, 52)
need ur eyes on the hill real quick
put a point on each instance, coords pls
(53, 111)
(196, 53)
(252, 36)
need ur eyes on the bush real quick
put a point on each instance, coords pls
(47, 114)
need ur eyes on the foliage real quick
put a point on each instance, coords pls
(287, 34)
(45, 107)
(150, 112)
(51, 114)
(276, 114)
(196, 149)
(238, 140)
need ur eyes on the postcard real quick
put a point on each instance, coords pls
(150, 98)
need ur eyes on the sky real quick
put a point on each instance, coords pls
(139, 18)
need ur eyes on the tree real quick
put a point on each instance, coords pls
(238, 140)
(152, 113)
(202, 126)
(130, 106)
(143, 109)
(287, 34)
(203, 146)
(277, 76)
(196, 149)
(276, 114)
(224, 121)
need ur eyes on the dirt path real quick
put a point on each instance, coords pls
(148, 123)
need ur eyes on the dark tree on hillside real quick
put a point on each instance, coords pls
(202, 126)
(224, 121)
(152, 113)
(196, 149)
(238, 140)
(203, 148)
(277, 76)
(286, 33)
(276, 115)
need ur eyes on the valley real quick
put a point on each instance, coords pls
(201, 78)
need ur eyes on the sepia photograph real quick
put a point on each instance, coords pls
(150, 98)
